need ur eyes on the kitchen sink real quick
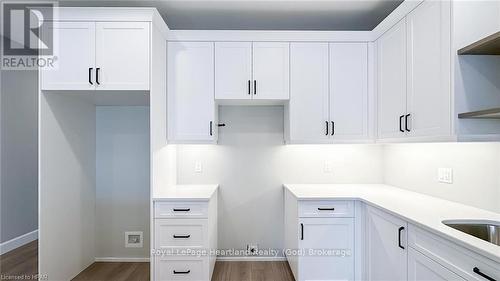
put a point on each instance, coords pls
(485, 230)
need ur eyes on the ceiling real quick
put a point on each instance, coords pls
(262, 14)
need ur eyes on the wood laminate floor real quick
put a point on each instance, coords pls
(224, 271)
(21, 262)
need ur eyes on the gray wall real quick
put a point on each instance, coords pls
(122, 179)
(19, 188)
(476, 171)
(251, 163)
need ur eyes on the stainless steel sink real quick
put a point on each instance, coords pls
(488, 231)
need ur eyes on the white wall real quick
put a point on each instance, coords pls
(122, 179)
(476, 171)
(18, 131)
(66, 185)
(251, 163)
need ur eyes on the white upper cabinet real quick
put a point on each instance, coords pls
(308, 107)
(391, 54)
(233, 70)
(122, 55)
(414, 84)
(428, 91)
(349, 91)
(75, 49)
(191, 103)
(386, 247)
(100, 56)
(271, 70)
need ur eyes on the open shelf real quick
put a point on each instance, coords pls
(492, 113)
(487, 46)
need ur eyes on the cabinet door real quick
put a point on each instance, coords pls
(271, 70)
(122, 55)
(391, 49)
(326, 234)
(349, 90)
(308, 109)
(386, 245)
(428, 92)
(233, 70)
(74, 68)
(190, 101)
(421, 267)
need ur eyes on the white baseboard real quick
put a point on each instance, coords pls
(118, 259)
(251, 258)
(17, 242)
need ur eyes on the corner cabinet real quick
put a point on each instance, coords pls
(414, 70)
(386, 249)
(329, 93)
(191, 106)
(252, 70)
(99, 56)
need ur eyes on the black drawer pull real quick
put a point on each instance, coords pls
(301, 231)
(399, 237)
(326, 209)
(406, 122)
(478, 272)
(182, 210)
(401, 123)
(182, 272)
(181, 236)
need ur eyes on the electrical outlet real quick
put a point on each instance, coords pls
(252, 249)
(445, 175)
(198, 167)
(327, 168)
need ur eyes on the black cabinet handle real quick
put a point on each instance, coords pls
(181, 236)
(182, 272)
(211, 127)
(301, 231)
(97, 75)
(399, 237)
(255, 87)
(326, 122)
(326, 209)
(333, 128)
(249, 91)
(90, 75)
(182, 210)
(401, 123)
(478, 272)
(406, 122)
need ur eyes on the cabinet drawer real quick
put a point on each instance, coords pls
(181, 209)
(454, 257)
(326, 209)
(181, 233)
(181, 268)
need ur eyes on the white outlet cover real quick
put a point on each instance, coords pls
(327, 168)
(198, 167)
(445, 175)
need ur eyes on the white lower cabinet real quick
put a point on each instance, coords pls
(421, 267)
(328, 248)
(184, 234)
(319, 238)
(386, 250)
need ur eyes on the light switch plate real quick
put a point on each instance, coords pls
(445, 175)
(327, 168)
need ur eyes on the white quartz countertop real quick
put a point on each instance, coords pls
(198, 192)
(421, 210)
